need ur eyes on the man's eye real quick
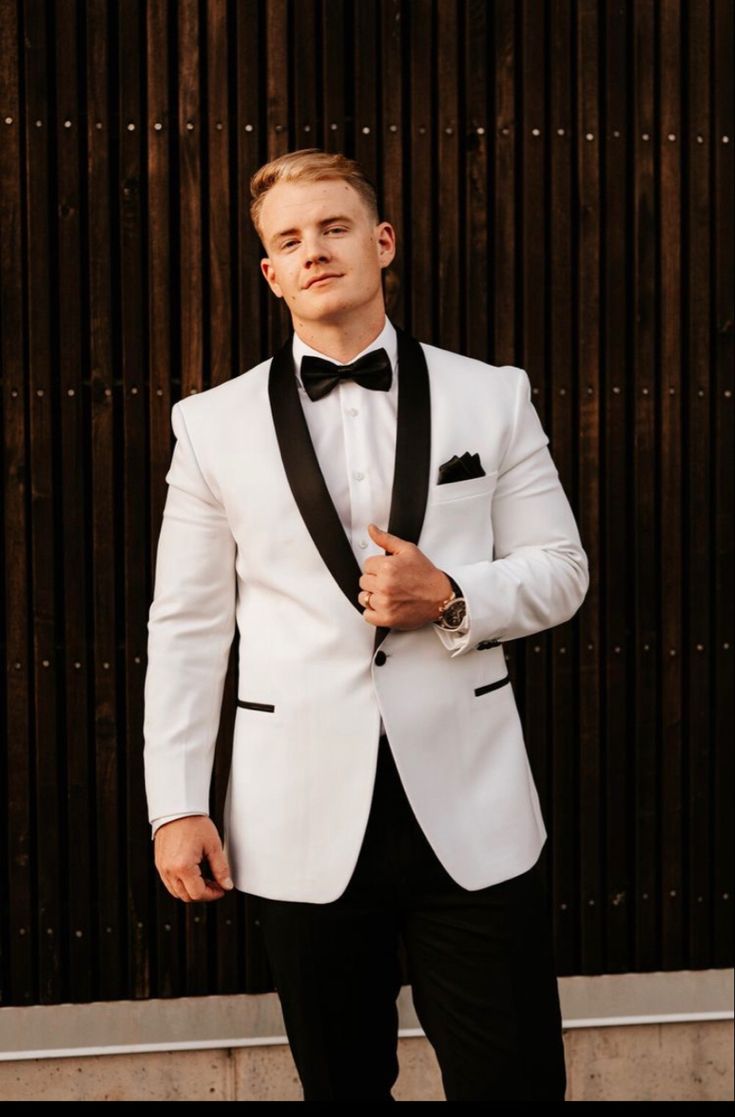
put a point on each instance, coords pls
(337, 229)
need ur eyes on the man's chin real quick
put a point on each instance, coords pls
(330, 310)
(333, 308)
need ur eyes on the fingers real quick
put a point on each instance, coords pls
(374, 564)
(198, 888)
(177, 890)
(192, 887)
(191, 861)
(371, 617)
(220, 870)
(372, 601)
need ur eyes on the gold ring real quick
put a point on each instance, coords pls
(368, 595)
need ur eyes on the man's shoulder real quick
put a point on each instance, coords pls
(445, 362)
(222, 398)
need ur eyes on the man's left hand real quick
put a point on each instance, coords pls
(405, 589)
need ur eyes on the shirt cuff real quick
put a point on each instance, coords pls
(455, 640)
(156, 823)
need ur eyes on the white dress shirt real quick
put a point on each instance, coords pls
(353, 430)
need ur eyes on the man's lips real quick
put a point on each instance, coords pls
(321, 279)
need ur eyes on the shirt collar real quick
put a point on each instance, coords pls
(387, 339)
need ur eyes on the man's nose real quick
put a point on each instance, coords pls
(316, 252)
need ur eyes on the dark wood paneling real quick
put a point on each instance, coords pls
(722, 543)
(643, 392)
(19, 976)
(607, 658)
(72, 509)
(560, 178)
(700, 654)
(49, 774)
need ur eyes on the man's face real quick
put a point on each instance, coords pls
(325, 254)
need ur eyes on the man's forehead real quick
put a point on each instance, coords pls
(308, 201)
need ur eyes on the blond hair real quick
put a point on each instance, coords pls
(310, 164)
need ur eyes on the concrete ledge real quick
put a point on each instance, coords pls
(650, 1062)
(203, 1023)
(628, 1037)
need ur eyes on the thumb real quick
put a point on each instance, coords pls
(218, 865)
(384, 539)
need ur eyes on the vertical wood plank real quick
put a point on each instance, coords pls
(671, 658)
(723, 543)
(365, 49)
(106, 838)
(219, 212)
(77, 816)
(17, 967)
(392, 182)
(190, 126)
(306, 90)
(277, 77)
(447, 124)
(252, 292)
(616, 546)
(477, 59)
(643, 386)
(591, 885)
(697, 478)
(504, 179)
(333, 75)
(278, 91)
(419, 238)
(49, 770)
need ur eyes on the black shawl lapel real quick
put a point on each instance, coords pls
(410, 476)
(305, 477)
(413, 447)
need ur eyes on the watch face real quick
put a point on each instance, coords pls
(454, 613)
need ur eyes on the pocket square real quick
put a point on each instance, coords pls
(461, 469)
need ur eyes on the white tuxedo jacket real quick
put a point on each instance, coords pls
(251, 537)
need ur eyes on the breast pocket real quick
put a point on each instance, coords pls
(463, 490)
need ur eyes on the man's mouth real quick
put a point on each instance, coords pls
(321, 279)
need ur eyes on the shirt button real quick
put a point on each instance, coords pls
(352, 411)
(358, 476)
(363, 543)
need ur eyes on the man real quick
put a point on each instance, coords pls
(377, 532)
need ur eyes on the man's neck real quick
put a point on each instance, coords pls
(342, 340)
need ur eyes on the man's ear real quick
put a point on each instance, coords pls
(270, 277)
(386, 238)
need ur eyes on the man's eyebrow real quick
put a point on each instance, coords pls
(326, 221)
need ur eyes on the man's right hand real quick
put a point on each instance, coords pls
(179, 849)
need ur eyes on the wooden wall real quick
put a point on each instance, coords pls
(561, 176)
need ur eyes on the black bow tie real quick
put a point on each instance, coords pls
(320, 376)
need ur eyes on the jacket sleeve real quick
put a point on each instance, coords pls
(190, 629)
(539, 575)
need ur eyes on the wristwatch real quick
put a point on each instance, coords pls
(453, 610)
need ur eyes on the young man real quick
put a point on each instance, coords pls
(377, 516)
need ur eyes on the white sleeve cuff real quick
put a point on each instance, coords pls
(156, 823)
(455, 640)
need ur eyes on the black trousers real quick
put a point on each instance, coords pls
(480, 963)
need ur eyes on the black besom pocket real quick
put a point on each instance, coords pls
(491, 686)
(264, 707)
